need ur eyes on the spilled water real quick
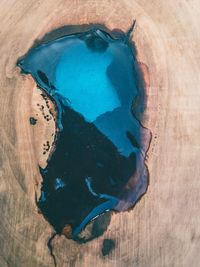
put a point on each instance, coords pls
(98, 162)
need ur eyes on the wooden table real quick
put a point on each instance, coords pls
(164, 227)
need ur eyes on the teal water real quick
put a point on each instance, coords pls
(82, 72)
(92, 78)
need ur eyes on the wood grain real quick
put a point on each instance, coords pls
(164, 228)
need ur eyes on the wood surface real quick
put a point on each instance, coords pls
(164, 228)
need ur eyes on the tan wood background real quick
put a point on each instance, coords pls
(164, 228)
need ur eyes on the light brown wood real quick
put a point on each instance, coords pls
(164, 228)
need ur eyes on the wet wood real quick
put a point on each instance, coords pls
(163, 229)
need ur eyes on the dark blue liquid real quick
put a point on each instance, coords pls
(91, 77)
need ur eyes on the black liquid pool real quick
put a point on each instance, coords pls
(98, 162)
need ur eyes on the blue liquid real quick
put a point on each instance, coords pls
(81, 72)
(92, 78)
